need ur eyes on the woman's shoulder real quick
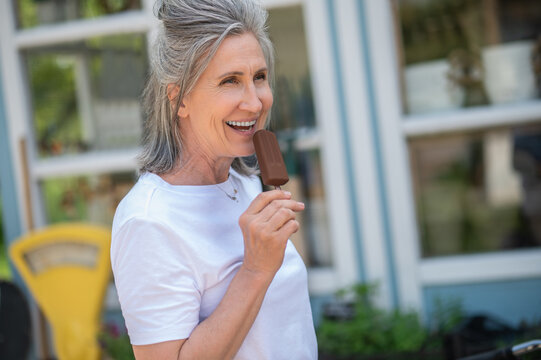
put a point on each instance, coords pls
(136, 202)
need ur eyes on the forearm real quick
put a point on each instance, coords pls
(223, 332)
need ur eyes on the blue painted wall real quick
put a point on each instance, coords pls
(12, 225)
(512, 301)
(344, 128)
(11, 220)
(378, 151)
(318, 303)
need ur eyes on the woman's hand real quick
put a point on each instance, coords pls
(266, 226)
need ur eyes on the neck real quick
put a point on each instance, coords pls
(199, 171)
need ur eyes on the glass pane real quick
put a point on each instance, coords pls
(32, 13)
(461, 53)
(293, 120)
(478, 192)
(85, 95)
(306, 184)
(293, 105)
(316, 228)
(92, 198)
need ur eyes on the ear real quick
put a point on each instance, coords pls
(172, 94)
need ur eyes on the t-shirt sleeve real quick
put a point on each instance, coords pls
(156, 282)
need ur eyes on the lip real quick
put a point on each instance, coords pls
(249, 132)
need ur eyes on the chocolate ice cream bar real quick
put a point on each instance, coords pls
(271, 163)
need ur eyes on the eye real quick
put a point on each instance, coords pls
(260, 76)
(229, 80)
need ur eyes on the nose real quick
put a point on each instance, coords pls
(250, 100)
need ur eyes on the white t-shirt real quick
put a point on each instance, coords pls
(174, 251)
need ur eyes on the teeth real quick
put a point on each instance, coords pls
(243, 123)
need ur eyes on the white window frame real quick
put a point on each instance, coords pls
(12, 41)
(344, 270)
(413, 272)
(363, 152)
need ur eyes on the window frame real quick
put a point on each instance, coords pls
(13, 41)
(414, 272)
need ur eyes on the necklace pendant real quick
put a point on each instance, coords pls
(233, 197)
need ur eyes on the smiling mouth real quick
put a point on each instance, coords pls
(241, 125)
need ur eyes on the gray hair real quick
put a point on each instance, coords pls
(191, 32)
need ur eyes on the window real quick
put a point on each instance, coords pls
(465, 53)
(85, 94)
(31, 13)
(75, 71)
(478, 191)
(470, 77)
(89, 198)
(450, 113)
(293, 120)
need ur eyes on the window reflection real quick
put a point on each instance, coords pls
(293, 120)
(85, 95)
(306, 184)
(293, 105)
(478, 192)
(317, 233)
(92, 198)
(527, 163)
(461, 53)
(32, 13)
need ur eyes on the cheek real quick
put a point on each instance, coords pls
(219, 107)
(266, 98)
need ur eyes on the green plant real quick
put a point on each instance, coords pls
(370, 330)
(115, 345)
(447, 315)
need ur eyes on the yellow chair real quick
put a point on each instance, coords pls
(67, 268)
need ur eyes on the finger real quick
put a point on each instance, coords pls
(275, 206)
(280, 218)
(262, 200)
(288, 229)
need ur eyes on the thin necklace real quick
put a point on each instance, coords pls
(235, 191)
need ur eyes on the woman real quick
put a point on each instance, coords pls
(201, 258)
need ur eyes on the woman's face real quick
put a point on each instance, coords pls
(229, 102)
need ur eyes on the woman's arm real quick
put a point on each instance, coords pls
(222, 333)
(266, 226)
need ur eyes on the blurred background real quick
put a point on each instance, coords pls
(410, 128)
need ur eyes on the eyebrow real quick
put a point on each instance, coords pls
(239, 73)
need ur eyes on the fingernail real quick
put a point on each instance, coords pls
(287, 193)
(300, 203)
